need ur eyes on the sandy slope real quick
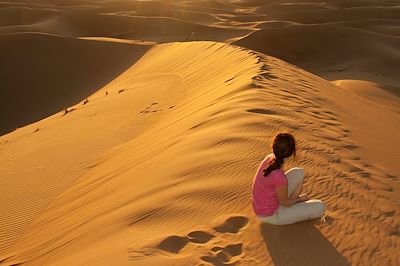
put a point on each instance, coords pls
(165, 176)
(336, 40)
(373, 91)
(152, 160)
(38, 80)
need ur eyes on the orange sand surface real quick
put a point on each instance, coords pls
(130, 131)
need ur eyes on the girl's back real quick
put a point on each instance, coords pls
(265, 201)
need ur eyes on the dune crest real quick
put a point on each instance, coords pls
(35, 88)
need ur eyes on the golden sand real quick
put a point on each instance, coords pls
(132, 130)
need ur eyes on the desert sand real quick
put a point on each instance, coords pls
(131, 130)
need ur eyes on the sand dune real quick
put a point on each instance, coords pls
(155, 172)
(134, 23)
(345, 49)
(72, 71)
(132, 151)
(127, 27)
(373, 91)
(307, 13)
(11, 16)
(334, 40)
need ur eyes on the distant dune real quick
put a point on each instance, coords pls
(131, 130)
(100, 23)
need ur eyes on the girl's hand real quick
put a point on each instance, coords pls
(303, 197)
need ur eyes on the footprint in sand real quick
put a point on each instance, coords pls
(174, 244)
(232, 225)
(200, 237)
(224, 255)
(151, 109)
(211, 243)
(66, 111)
(230, 253)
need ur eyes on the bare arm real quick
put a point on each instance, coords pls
(284, 200)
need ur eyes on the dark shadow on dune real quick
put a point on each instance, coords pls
(300, 244)
(44, 74)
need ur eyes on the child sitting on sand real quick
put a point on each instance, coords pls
(276, 195)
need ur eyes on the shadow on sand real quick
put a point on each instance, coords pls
(300, 244)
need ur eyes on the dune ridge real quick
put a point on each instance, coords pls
(34, 88)
(152, 169)
(355, 40)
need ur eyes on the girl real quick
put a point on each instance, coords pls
(276, 195)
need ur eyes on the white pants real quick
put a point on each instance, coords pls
(300, 211)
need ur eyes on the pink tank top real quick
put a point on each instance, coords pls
(265, 202)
